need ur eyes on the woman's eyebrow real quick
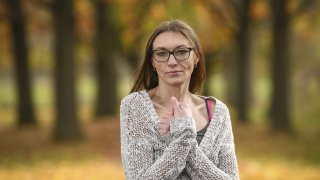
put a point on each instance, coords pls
(181, 46)
(160, 48)
(177, 47)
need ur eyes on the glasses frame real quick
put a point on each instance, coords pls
(172, 52)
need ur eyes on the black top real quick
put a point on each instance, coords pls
(201, 133)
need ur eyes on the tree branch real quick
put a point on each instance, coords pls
(304, 6)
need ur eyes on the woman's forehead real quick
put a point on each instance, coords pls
(170, 40)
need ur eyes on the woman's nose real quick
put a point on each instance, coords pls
(172, 60)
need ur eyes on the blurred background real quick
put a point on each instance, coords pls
(66, 65)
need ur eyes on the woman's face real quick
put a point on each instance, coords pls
(173, 72)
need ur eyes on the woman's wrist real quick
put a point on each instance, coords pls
(181, 124)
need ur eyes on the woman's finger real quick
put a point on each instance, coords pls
(163, 128)
(167, 116)
(174, 104)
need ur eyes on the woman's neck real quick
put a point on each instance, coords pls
(166, 92)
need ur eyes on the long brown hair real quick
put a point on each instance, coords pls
(147, 78)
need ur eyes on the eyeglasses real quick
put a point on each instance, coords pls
(163, 55)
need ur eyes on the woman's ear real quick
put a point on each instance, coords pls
(196, 60)
(153, 66)
(152, 63)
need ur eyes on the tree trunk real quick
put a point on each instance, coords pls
(25, 103)
(106, 49)
(206, 85)
(280, 64)
(243, 47)
(209, 63)
(67, 127)
(141, 13)
(230, 73)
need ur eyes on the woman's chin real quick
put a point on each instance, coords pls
(177, 82)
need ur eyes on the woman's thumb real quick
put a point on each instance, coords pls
(174, 103)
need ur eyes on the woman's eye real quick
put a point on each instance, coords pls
(181, 52)
(161, 53)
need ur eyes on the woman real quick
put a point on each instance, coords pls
(168, 132)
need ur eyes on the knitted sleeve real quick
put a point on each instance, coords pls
(137, 151)
(199, 166)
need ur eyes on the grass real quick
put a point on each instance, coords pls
(29, 153)
(266, 155)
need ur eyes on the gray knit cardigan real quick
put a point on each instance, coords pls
(146, 155)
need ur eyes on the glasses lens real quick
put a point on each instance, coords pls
(182, 54)
(161, 55)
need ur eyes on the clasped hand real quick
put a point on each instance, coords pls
(178, 109)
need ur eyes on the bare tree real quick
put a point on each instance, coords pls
(239, 77)
(107, 46)
(280, 102)
(67, 126)
(20, 52)
(280, 66)
(141, 13)
(243, 47)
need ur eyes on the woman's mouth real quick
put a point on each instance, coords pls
(173, 73)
